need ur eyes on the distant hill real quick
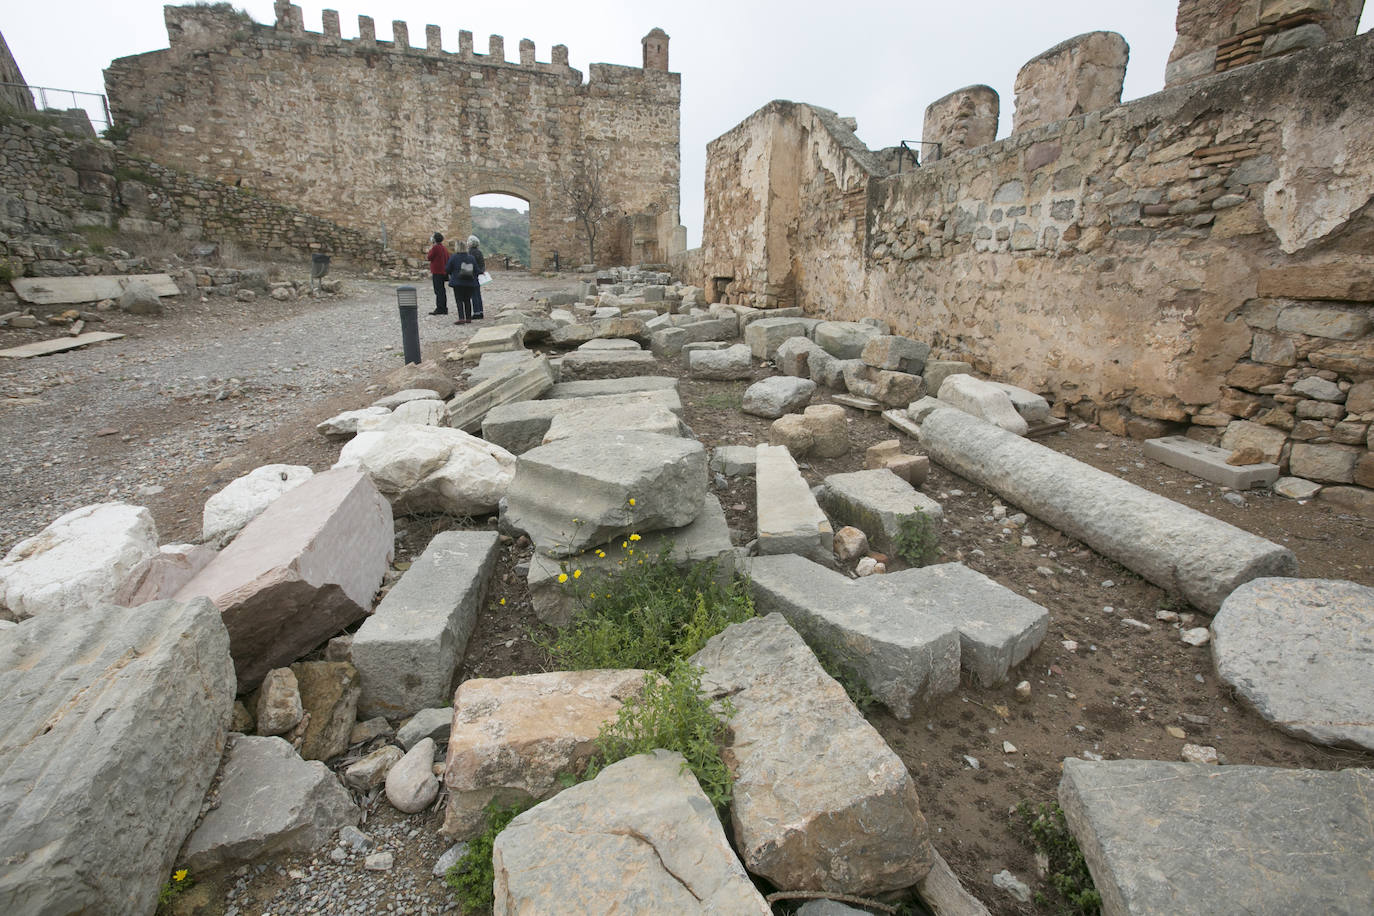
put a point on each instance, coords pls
(503, 231)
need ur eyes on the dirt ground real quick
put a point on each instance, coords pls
(1098, 686)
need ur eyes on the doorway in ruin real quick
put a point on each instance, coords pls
(502, 222)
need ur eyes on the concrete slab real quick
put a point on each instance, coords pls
(1177, 548)
(705, 539)
(877, 502)
(520, 426)
(66, 290)
(58, 345)
(407, 651)
(789, 519)
(628, 385)
(1209, 463)
(1232, 839)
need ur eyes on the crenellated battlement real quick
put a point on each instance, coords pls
(201, 28)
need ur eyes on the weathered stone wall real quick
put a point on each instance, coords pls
(1219, 35)
(1113, 261)
(369, 133)
(14, 98)
(52, 182)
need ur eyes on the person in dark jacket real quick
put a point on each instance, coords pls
(462, 276)
(476, 253)
(438, 272)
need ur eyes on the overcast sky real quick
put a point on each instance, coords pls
(881, 62)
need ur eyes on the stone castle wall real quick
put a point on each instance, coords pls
(52, 183)
(1200, 259)
(13, 97)
(370, 133)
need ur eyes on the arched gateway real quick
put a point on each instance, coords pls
(393, 140)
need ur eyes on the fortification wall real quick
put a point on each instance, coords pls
(14, 97)
(52, 183)
(371, 133)
(1196, 257)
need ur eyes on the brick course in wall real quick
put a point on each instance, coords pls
(368, 133)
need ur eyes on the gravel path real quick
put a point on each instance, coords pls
(120, 419)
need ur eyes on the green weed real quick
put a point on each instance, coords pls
(918, 539)
(180, 882)
(473, 876)
(1068, 872)
(849, 679)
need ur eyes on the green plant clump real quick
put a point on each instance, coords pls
(473, 876)
(648, 614)
(672, 715)
(1068, 872)
(859, 693)
(918, 539)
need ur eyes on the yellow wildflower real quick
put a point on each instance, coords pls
(634, 537)
(577, 574)
(179, 875)
(624, 544)
(632, 500)
(601, 553)
(503, 602)
(562, 577)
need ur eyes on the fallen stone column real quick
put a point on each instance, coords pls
(1177, 548)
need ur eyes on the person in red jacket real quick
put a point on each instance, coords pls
(438, 273)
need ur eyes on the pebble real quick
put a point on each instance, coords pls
(1013, 885)
(380, 861)
(1042, 570)
(1008, 747)
(1095, 758)
(1167, 616)
(1234, 499)
(1109, 610)
(1197, 636)
(1023, 691)
(1108, 583)
(449, 859)
(1175, 732)
(972, 762)
(1198, 753)
(1136, 624)
(1069, 645)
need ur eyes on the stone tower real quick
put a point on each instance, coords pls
(656, 50)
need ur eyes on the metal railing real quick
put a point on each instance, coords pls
(96, 106)
(907, 151)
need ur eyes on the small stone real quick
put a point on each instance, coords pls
(449, 859)
(1008, 882)
(1248, 454)
(1042, 570)
(1175, 732)
(379, 861)
(337, 855)
(1069, 645)
(1028, 541)
(1023, 691)
(1234, 499)
(1008, 747)
(850, 544)
(1198, 753)
(355, 840)
(1136, 624)
(1197, 636)
(867, 566)
(1108, 583)
(1167, 616)
(972, 762)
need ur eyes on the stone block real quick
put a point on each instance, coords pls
(1209, 463)
(656, 844)
(937, 370)
(820, 801)
(428, 374)
(919, 410)
(1077, 76)
(407, 652)
(829, 429)
(1303, 814)
(764, 336)
(900, 354)
(731, 363)
(961, 120)
(1187, 552)
(345, 424)
(1322, 691)
(776, 395)
(587, 490)
(491, 365)
(795, 354)
(633, 384)
(1254, 376)
(79, 561)
(793, 433)
(844, 339)
(892, 389)
(514, 737)
(426, 412)
(706, 539)
(613, 343)
(329, 697)
(110, 734)
(432, 469)
(983, 400)
(522, 425)
(1358, 500)
(789, 519)
(734, 460)
(525, 381)
(496, 339)
(243, 499)
(410, 785)
(1319, 389)
(606, 414)
(300, 572)
(878, 502)
(1360, 398)
(600, 364)
(1296, 488)
(271, 803)
(1273, 349)
(1331, 323)
(1325, 463)
(1341, 282)
(392, 401)
(1034, 409)
(1242, 434)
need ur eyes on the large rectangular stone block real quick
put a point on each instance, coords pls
(520, 426)
(879, 503)
(1209, 463)
(595, 364)
(765, 335)
(789, 519)
(112, 726)
(407, 651)
(820, 801)
(527, 380)
(632, 384)
(300, 572)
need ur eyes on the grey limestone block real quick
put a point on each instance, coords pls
(407, 651)
(877, 502)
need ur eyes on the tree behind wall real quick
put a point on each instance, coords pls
(585, 194)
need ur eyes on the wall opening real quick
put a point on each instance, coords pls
(502, 222)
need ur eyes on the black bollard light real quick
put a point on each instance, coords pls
(409, 307)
